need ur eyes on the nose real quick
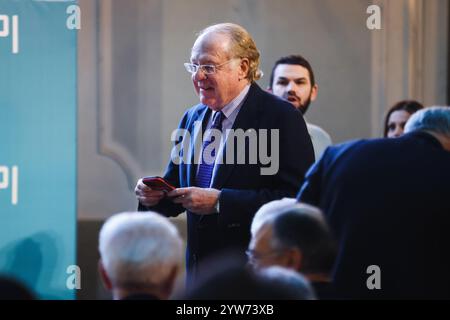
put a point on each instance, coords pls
(291, 86)
(199, 75)
(398, 131)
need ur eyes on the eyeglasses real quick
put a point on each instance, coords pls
(205, 68)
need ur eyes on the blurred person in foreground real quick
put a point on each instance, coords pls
(294, 236)
(386, 201)
(141, 256)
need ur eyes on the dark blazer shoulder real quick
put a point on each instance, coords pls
(267, 100)
(339, 150)
(196, 109)
(267, 105)
(192, 114)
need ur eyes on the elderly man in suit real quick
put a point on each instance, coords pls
(222, 187)
(387, 201)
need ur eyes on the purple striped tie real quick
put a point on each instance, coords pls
(204, 173)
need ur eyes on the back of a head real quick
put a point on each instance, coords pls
(240, 283)
(11, 289)
(308, 232)
(242, 46)
(293, 282)
(139, 249)
(434, 119)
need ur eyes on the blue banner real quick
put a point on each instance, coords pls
(38, 68)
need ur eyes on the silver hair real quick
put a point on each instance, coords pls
(242, 46)
(436, 119)
(268, 212)
(139, 249)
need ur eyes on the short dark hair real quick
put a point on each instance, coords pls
(293, 60)
(410, 106)
(309, 234)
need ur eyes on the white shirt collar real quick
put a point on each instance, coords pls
(236, 102)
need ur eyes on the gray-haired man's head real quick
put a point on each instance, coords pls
(434, 120)
(292, 235)
(140, 253)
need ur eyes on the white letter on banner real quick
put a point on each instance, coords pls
(4, 32)
(15, 35)
(4, 20)
(15, 185)
(4, 182)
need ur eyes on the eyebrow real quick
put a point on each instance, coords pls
(284, 78)
(209, 62)
(206, 60)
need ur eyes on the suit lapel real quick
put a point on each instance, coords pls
(247, 118)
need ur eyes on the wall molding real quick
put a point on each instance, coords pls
(140, 160)
(397, 57)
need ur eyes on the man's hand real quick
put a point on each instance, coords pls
(197, 200)
(146, 195)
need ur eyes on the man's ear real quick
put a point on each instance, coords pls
(314, 92)
(169, 283)
(105, 279)
(295, 260)
(244, 68)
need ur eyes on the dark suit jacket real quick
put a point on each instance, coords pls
(388, 203)
(243, 188)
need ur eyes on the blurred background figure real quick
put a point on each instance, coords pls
(232, 281)
(293, 281)
(11, 289)
(397, 117)
(292, 79)
(141, 256)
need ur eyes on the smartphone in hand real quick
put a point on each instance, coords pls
(158, 183)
